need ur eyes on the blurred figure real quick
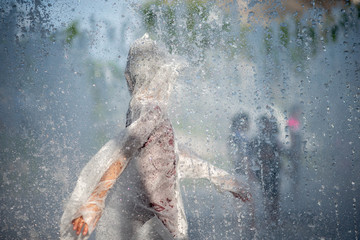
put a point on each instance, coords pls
(239, 147)
(295, 145)
(240, 151)
(267, 149)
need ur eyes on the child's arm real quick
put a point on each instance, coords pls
(91, 211)
(192, 166)
(99, 175)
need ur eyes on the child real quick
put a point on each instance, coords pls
(148, 141)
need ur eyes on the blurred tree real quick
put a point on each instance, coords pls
(210, 24)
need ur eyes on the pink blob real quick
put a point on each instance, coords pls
(294, 124)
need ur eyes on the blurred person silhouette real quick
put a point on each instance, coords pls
(240, 147)
(240, 152)
(295, 150)
(267, 150)
(148, 149)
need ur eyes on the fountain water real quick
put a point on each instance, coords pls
(63, 95)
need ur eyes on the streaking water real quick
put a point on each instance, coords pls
(59, 104)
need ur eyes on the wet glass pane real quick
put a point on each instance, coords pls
(264, 105)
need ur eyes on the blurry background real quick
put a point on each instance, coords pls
(63, 95)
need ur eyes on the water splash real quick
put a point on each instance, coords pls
(55, 116)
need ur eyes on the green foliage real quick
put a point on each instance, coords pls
(334, 32)
(311, 33)
(165, 20)
(180, 24)
(195, 9)
(284, 35)
(71, 32)
(68, 34)
(268, 40)
(149, 16)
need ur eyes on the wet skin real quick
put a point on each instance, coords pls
(112, 173)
